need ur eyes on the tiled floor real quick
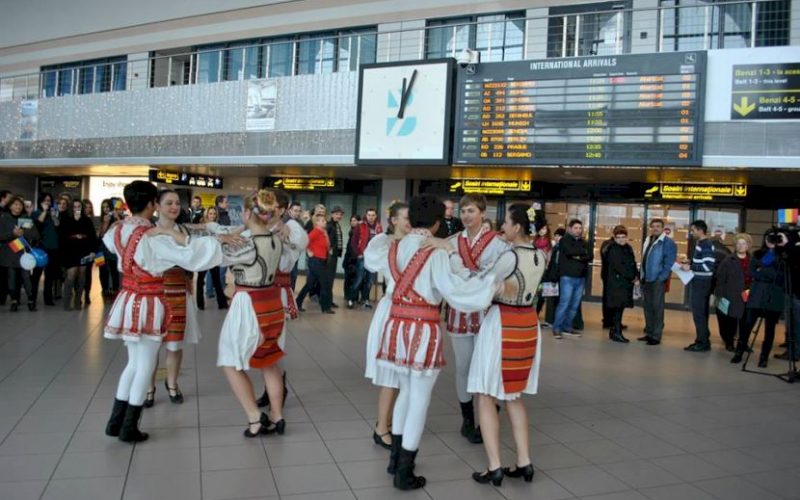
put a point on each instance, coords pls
(611, 422)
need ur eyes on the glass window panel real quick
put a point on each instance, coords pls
(102, 78)
(208, 66)
(65, 77)
(327, 55)
(280, 59)
(348, 52)
(367, 49)
(307, 56)
(120, 75)
(49, 83)
(447, 39)
(86, 80)
(555, 34)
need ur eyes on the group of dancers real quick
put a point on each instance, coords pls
(487, 280)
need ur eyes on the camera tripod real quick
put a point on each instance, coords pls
(791, 375)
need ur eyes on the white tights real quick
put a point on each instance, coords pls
(135, 379)
(411, 407)
(463, 346)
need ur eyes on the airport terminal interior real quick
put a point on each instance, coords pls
(339, 132)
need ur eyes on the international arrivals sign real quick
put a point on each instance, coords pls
(489, 186)
(695, 191)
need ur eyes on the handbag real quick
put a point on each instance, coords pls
(549, 289)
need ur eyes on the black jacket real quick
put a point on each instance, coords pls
(621, 275)
(336, 249)
(767, 289)
(604, 258)
(223, 219)
(729, 280)
(453, 226)
(551, 273)
(575, 257)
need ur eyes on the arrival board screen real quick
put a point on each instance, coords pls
(603, 110)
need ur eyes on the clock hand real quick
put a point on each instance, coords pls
(406, 92)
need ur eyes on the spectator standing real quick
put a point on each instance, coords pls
(766, 299)
(607, 319)
(196, 210)
(732, 279)
(318, 252)
(214, 274)
(14, 223)
(573, 269)
(295, 212)
(362, 284)
(336, 239)
(223, 219)
(44, 218)
(702, 265)
(349, 263)
(5, 198)
(790, 245)
(109, 273)
(658, 256)
(88, 210)
(551, 276)
(621, 274)
(452, 224)
(78, 244)
(542, 241)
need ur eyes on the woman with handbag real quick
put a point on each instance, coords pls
(765, 300)
(732, 279)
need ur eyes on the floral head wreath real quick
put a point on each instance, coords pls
(262, 212)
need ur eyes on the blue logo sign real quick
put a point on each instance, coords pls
(409, 123)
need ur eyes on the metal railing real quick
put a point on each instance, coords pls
(667, 28)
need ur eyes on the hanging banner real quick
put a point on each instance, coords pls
(262, 96)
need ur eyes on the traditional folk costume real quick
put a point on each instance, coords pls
(296, 246)
(375, 258)
(473, 256)
(508, 348)
(252, 334)
(412, 343)
(141, 314)
(184, 326)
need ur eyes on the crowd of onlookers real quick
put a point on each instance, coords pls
(748, 285)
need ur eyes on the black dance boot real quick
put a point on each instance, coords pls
(404, 478)
(468, 429)
(130, 432)
(397, 442)
(117, 416)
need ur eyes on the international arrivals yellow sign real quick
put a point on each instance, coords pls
(305, 183)
(695, 192)
(489, 186)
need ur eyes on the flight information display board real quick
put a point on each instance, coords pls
(609, 110)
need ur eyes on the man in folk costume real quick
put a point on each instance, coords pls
(412, 343)
(507, 355)
(476, 248)
(140, 314)
(297, 241)
(252, 335)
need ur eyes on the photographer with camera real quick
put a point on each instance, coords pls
(789, 246)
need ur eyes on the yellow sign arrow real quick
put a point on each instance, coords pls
(743, 108)
(741, 190)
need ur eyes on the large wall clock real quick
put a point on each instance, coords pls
(404, 113)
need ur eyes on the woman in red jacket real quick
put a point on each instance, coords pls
(318, 247)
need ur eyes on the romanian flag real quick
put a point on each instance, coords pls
(788, 215)
(18, 245)
(118, 205)
(99, 259)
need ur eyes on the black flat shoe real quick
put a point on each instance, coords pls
(489, 476)
(335, 306)
(263, 423)
(378, 438)
(737, 358)
(278, 427)
(150, 399)
(525, 473)
(653, 342)
(177, 398)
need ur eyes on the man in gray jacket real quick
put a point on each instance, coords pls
(658, 256)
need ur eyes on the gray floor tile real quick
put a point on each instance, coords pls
(641, 474)
(303, 453)
(347, 429)
(735, 461)
(541, 488)
(95, 464)
(735, 488)
(233, 457)
(587, 480)
(683, 491)
(27, 467)
(330, 495)
(34, 444)
(465, 489)
(356, 450)
(613, 428)
(555, 456)
(226, 436)
(390, 493)
(84, 488)
(647, 446)
(240, 483)
(690, 468)
(602, 451)
(569, 432)
(174, 486)
(782, 482)
(159, 461)
(309, 479)
(22, 490)
(371, 474)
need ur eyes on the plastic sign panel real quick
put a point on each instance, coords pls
(306, 184)
(186, 179)
(695, 192)
(766, 92)
(489, 186)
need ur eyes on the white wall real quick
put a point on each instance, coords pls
(391, 189)
(536, 33)
(645, 21)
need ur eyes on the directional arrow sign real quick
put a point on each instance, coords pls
(744, 108)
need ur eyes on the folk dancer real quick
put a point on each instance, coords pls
(507, 355)
(476, 248)
(140, 314)
(412, 341)
(387, 380)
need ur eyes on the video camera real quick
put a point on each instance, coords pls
(790, 231)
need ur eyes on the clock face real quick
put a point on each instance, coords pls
(418, 134)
